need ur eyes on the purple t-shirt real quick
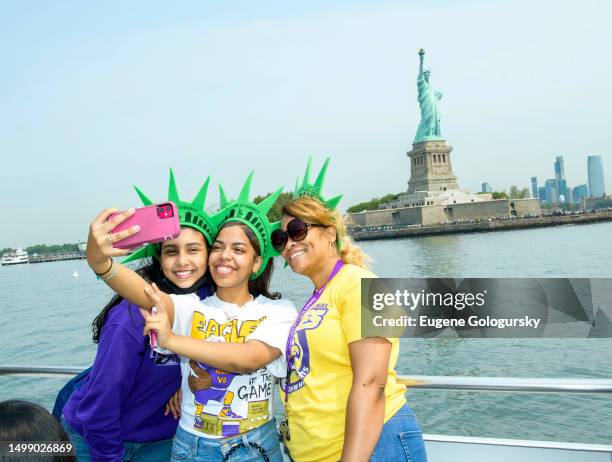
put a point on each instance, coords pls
(123, 397)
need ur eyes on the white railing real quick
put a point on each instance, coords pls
(428, 382)
(522, 384)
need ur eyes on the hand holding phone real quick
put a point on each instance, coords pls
(158, 222)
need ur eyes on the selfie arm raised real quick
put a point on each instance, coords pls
(100, 252)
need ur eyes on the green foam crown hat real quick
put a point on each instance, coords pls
(253, 215)
(191, 214)
(305, 188)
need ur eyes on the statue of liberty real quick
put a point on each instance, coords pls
(429, 127)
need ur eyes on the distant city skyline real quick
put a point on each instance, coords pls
(593, 169)
(558, 190)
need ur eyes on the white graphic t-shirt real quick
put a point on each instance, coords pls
(218, 403)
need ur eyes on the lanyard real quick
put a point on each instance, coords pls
(311, 301)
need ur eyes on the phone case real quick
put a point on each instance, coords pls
(155, 225)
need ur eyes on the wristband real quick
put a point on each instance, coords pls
(109, 268)
(110, 276)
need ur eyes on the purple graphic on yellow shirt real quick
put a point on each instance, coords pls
(299, 362)
(211, 384)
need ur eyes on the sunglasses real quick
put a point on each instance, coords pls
(296, 230)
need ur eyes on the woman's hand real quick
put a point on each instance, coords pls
(159, 322)
(174, 404)
(100, 240)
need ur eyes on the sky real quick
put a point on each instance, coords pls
(98, 96)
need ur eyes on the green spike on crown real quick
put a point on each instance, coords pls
(314, 189)
(191, 214)
(252, 215)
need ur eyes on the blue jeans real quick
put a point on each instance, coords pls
(153, 451)
(248, 447)
(400, 440)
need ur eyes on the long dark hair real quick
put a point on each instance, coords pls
(152, 272)
(261, 285)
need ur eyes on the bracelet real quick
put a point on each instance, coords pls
(110, 276)
(109, 268)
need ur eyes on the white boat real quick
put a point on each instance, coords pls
(15, 258)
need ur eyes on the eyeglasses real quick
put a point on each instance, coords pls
(296, 230)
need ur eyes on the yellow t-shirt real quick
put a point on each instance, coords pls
(320, 384)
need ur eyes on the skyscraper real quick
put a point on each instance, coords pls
(542, 193)
(559, 169)
(563, 191)
(561, 183)
(596, 177)
(486, 188)
(551, 191)
(534, 187)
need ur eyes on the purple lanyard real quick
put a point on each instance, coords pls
(311, 301)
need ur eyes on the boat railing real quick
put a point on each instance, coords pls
(446, 447)
(509, 384)
(427, 382)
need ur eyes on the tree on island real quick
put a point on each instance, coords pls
(44, 249)
(499, 195)
(372, 204)
(515, 193)
(275, 212)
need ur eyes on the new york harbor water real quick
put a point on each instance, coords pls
(46, 314)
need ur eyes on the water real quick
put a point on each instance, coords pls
(46, 314)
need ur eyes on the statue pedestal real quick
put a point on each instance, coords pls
(430, 167)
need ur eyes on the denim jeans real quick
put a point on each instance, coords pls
(249, 447)
(400, 440)
(153, 451)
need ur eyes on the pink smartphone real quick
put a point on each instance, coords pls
(158, 222)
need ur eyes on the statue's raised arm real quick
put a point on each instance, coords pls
(429, 126)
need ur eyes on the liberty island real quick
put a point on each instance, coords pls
(434, 203)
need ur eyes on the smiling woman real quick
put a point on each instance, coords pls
(342, 398)
(119, 407)
(239, 237)
(183, 260)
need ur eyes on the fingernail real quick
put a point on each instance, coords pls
(131, 211)
(136, 227)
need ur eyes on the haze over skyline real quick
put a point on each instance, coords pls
(103, 95)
